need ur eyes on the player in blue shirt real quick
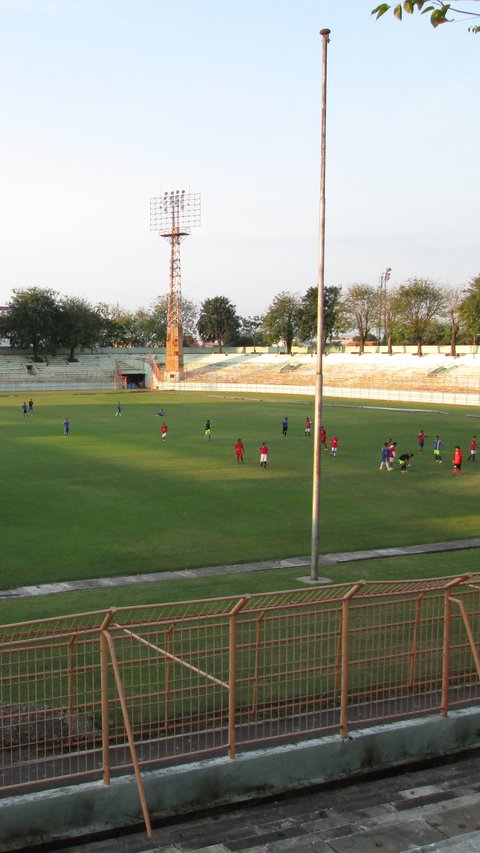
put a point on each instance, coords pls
(385, 458)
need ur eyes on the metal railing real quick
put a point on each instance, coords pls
(106, 692)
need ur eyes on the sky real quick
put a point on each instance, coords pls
(107, 103)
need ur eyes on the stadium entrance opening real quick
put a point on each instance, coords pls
(133, 380)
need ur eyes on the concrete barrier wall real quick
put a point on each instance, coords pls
(66, 813)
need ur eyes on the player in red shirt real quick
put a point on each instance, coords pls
(164, 431)
(333, 445)
(308, 428)
(473, 449)
(421, 440)
(457, 462)
(239, 449)
(323, 436)
(263, 450)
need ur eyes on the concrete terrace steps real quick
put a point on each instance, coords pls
(421, 810)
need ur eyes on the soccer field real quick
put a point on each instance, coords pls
(113, 499)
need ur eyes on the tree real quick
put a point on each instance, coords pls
(80, 324)
(218, 321)
(360, 308)
(390, 309)
(147, 327)
(439, 11)
(470, 309)
(251, 328)
(453, 301)
(418, 304)
(281, 322)
(331, 313)
(114, 325)
(34, 321)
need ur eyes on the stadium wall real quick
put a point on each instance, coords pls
(390, 395)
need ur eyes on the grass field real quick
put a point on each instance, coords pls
(113, 499)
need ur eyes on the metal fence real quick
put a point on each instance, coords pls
(93, 694)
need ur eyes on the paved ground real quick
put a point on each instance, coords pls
(188, 574)
(434, 808)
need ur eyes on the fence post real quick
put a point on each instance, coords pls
(104, 696)
(232, 674)
(345, 635)
(446, 641)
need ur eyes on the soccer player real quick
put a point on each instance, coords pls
(263, 450)
(323, 436)
(473, 449)
(30, 406)
(66, 427)
(392, 453)
(239, 449)
(308, 428)
(119, 409)
(208, 430)
(437, 448)
(164, 431)
(385, 457)
(333, 445)
(421, 440)
(457, 462)
(404, 460)
(285, 427)
(25, 410)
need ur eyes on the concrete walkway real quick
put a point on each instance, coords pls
(209, 571)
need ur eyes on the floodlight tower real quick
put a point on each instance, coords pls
(172, 216)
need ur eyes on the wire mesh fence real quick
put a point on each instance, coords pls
(96, 694)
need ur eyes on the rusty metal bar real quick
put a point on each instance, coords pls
(258, 641)
(128, 729)
(468, 629)
(105, 696)
(175, 658)
(345, 629)
(232, 674)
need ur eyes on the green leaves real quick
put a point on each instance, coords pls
(439, 11)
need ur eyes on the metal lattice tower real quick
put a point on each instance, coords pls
(172, 216)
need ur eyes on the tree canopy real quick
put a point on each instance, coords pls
(33, 321)
(218, 321)
(439, 11)
(332, 318)
(281, 322)
(419, 302)
(360, 308)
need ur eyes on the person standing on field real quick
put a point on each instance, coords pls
(263, 450)
(119, 409)
(473, 449)
(164, 431)
(421, 440)
(66, 427)
(323, 436)
(333, 445)
(285, 427)
(308, 428)
(30, 406)
(239, 449)
(457, 462)
(437, 448)
(208, 430)
(25, 410)
(385, 457)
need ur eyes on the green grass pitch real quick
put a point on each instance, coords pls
(112, 499)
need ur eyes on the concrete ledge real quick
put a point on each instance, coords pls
(66, 813)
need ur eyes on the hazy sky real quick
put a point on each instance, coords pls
(105, 103)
